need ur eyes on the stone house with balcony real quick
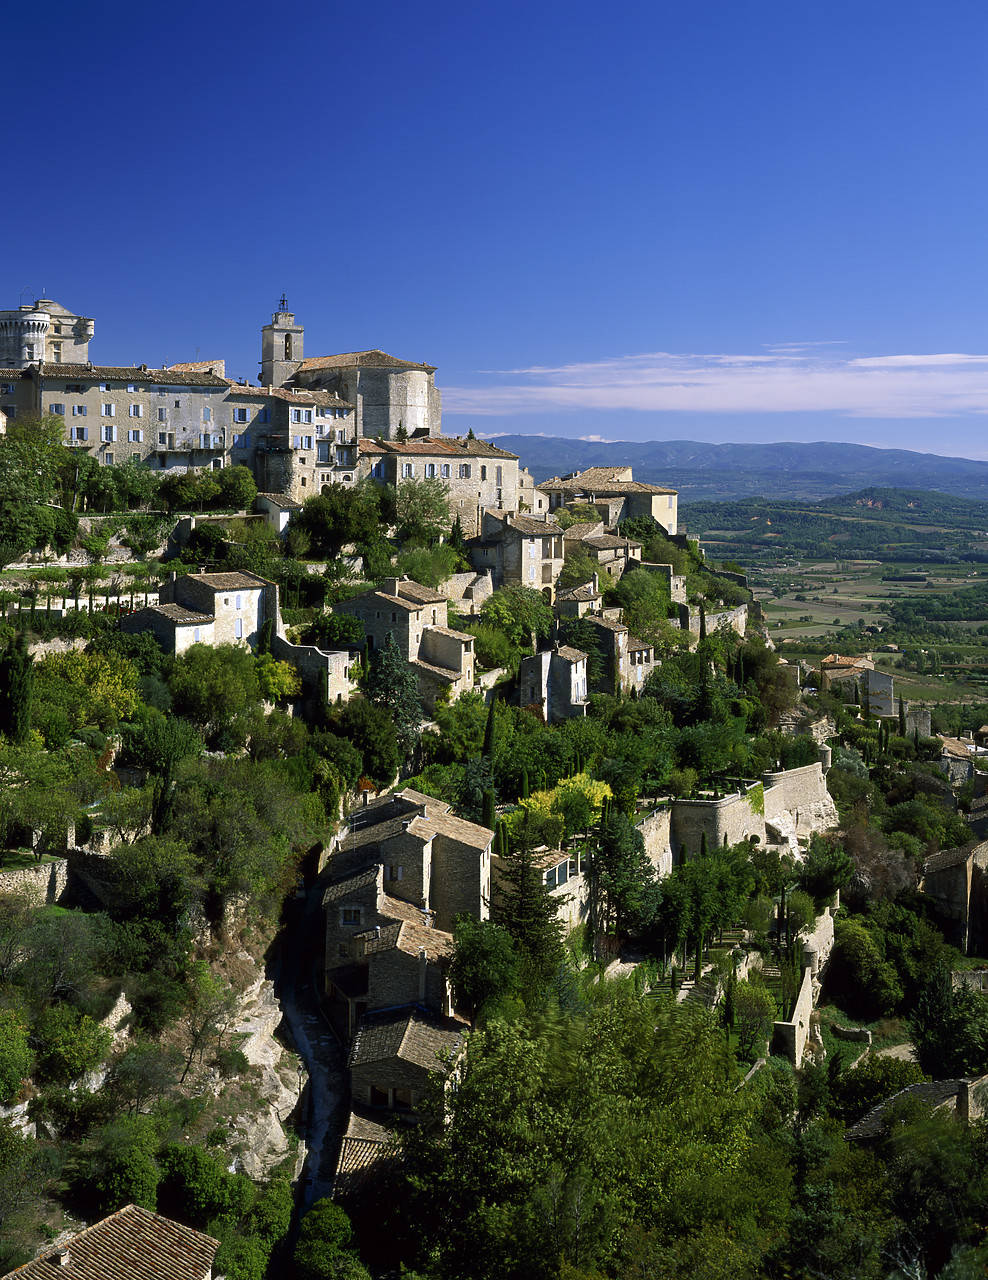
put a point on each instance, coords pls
(527, 551)
(416, 616)
(553, 682)
(298, 442)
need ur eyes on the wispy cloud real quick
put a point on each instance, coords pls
(786, 378)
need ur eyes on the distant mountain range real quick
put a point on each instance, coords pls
(719, 472)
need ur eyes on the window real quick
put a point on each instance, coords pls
(11, 411)
(79, 433)
(403, 1099)
(207, 414)
(395, 873)
(464, 470)
(531, 573)
(351, 915)
(135, 436)
(498, 476)
(109, 411)
(137, 411)
(378, 1097)
(238, 628)
(107, 459)
(79, 411)
(407, 469)
(108, 434)
(162, 391)
(240, 415)
(444, 471)
(430, 471)
(239, 602)
(131, 386)
(483, 473)
(56, 328)
(104, 386)
(240, 442)
(306, 415)
(378, 471)
(57, 408)
(71, 388)
(296, 415)
(8, 389)
(162, 415)
(195, 636)
(307, 442)
(263, 415)
(178, 404)
(204, 441)
(162, 439)
(56, 352)
(296, 442)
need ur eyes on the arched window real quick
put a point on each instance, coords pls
(288, 346)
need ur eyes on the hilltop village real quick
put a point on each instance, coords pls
(409, 867)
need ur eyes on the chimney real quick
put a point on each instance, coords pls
(423, 967)
(61, 1257)
(594, 578)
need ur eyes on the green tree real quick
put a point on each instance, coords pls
(237, 487)
(68, 1044)
(325, 1243)
(484, 969)
(213, 684)
(16, 1058)
(824, 871)
(372, 732)
(527, 910)
(392, 687)
(422, 509)
(16, 689)
(519, 612)
(754, 1012)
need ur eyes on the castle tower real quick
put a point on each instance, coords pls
(22, 337)
(281, 347)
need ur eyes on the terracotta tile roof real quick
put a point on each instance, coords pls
(468, 833)
(200, 366)
(351, 884)
(609, 541)
(607, 624)
(602, 481)
(933, 1092)
(413, 590)
(409, 1033)
(131, 1244)
(323, 399)
(583, 592)
(414, 938)
(453, 635)
(437, 446)
(129, 373)
(361, 360)
(952, 857)
(363, 1144)
(529, 526)
(957, 748)
(279, 500)
(178, 614)
(449, 674)
(229, 581)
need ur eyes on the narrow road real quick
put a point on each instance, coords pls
(327, 1092)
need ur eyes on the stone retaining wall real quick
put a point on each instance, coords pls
(44, 884)
(790, 1037)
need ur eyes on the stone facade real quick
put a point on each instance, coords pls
(416, 616)
(554, 681)
(957, 881)
(624, 496)
(395, 1053)
(526, 551)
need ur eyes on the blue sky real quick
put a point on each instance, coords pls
(699, 220)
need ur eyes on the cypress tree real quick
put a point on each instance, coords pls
(703, 623)
(488, 818)
(16, 689)
(488, 749)
(527, 909)
(703, 844)
(902, 717)
(916, 741)
(525, 785)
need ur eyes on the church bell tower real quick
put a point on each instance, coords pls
(281, 347)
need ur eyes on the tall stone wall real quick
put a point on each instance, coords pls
(43, 884)
(309, 661)
(731, 816)
(801, 793)
(790, 1037)
(655, 830)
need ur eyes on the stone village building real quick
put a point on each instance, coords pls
(415, 616)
